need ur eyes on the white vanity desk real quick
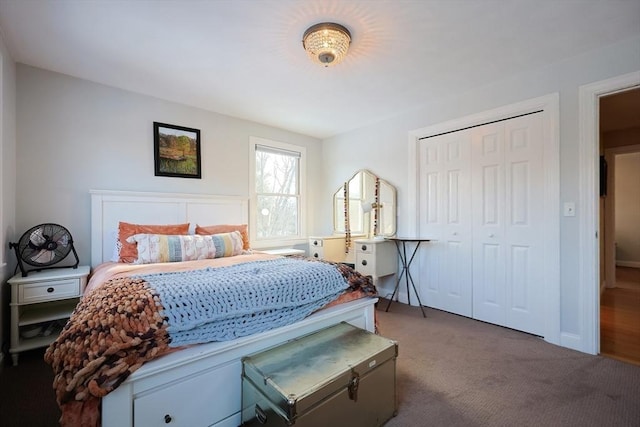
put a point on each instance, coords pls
(364, 213)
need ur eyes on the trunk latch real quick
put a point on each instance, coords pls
(353, 386)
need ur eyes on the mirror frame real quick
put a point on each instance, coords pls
(369, 193)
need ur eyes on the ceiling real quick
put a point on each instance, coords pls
(245, 58)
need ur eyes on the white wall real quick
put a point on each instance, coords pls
(75, 135)
(627, 209)
(383, 147)
(7, 180)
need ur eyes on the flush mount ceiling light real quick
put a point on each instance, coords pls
(326, 43)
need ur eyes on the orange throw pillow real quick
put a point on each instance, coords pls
(226, 228)
(129, 251)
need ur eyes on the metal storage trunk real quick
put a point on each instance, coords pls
(341, 375)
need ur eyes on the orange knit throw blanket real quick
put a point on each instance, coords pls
(112, 332)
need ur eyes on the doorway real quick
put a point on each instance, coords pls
(619, 130)
(588, 337)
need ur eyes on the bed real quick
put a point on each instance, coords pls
(196, 385)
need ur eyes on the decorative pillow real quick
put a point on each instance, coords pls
(154, 248)
(128, 251)
(226, 228)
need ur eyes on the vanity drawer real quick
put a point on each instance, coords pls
(329, 248)
(315, 243)
(365, 248)
(49, 291)
(316, 253)
(376, 258)
(366, 264)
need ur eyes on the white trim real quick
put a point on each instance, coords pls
(550, 106)
(589, 152)
(571, 341)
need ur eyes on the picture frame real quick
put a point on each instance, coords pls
(176, 151)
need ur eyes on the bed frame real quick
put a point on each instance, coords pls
(198, 386)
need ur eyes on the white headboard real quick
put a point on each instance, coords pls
(110, 207)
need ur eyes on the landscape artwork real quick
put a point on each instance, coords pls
(176, 151)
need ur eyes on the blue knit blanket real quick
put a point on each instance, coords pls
(219, 304)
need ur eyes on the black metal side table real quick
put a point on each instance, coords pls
(401, 247)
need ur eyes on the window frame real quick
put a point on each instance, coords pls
(253, 195)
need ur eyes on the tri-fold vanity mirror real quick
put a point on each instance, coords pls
(365, 206)
(364, 213)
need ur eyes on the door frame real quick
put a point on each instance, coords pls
(588, 338)
(550, 107)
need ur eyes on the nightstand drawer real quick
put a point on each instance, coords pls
(49, 291)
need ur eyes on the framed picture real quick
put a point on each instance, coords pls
(176, 151)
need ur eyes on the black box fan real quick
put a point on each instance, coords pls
(42, 247)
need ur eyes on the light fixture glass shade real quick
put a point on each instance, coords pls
(326, 43)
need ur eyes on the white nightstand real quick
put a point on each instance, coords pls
(284, 251)
(40, 299)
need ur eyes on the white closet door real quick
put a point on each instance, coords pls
(508, 228)
(445, 215)
(480, 198)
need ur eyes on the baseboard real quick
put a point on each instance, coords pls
(572, 341)
(632, 264)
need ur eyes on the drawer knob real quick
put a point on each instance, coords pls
(364, 262)
(315, 243)
(167, 419)
(50, 290)
(364, 247)
(315, 255)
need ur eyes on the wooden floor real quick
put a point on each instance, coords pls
(620, 317)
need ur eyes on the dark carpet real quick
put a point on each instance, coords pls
(452, 371)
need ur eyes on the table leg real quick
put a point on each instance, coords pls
(407, 275)
(395, 289)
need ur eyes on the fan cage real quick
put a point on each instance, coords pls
(44, 246)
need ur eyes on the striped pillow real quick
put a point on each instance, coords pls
(154, 248)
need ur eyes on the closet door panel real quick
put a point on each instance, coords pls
(446, 261)
(488, 189)
(430, 221)
(524, 232)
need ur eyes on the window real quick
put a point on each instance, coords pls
(277, 194)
